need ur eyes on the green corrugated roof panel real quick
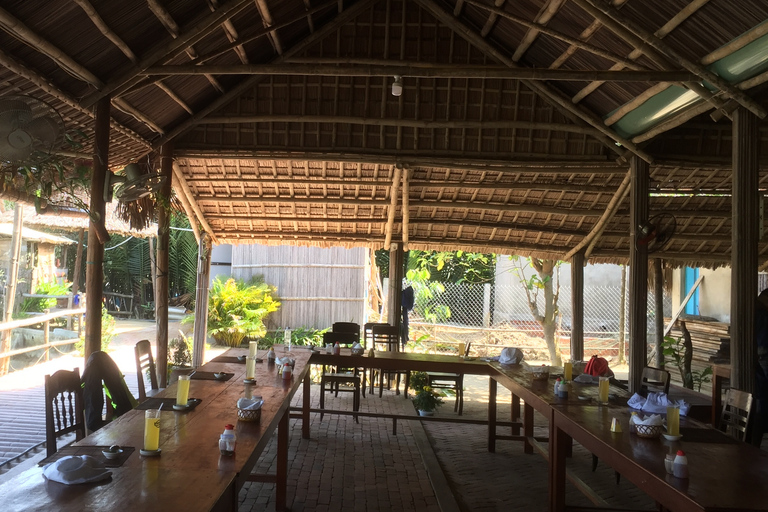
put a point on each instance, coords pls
(749, 61)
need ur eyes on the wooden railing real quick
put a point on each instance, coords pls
(6, 328)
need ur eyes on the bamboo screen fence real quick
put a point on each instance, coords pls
(316, 286)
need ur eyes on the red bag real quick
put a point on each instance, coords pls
(598, 367)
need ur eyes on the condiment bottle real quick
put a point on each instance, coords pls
(337, 349)
(557, 386)
(680, 466)
(562, 390)
(287, 371)
(271, 355)
(228, 441)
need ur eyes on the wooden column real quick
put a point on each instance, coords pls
(163, 240)
(577, 306)
(10, 286)
(201, 299)
(744, 229)
(76, 274)
(94, 262)
(638, 272)
(658, 296)
(395, 298)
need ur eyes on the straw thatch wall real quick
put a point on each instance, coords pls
(316, 286)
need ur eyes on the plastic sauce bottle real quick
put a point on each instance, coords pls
(680, 466)
(271, 355)
(557, 386)
(228, 441)
(337, 349)
(287, 372)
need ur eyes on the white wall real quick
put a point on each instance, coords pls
(714, 292)
(221, 261)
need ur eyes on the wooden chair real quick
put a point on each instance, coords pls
(452, 381)
(368, 333)
(340, 379)
(387, 338)
(63, 407)
(145, 364)
(348, 328)
(654, 380)
(737, 408)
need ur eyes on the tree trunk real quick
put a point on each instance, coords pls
(622, 316)
(549, 322)
(685, 369)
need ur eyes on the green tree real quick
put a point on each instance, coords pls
(542, 280)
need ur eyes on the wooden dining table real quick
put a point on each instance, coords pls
(190, 474)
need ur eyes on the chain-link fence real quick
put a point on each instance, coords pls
(492, 316)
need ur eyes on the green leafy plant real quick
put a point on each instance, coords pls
(425, 296)
(237, 309)
(418, 381)
(107, 332)
(674, 349)
(300, 336)
(35, 305)
(427, 399)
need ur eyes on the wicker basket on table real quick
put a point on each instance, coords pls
(249, 414)
(648, 431)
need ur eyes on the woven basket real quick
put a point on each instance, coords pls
(539, 374)
(249, 414)
(648, 431)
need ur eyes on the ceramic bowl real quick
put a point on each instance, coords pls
(112, 455)
(219, 375)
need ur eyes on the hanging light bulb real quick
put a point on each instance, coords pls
(397, 86)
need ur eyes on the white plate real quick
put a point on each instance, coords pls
(672, 438)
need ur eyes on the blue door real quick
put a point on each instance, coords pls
(691, 275)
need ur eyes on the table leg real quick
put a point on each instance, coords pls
(528, 427)
(515, 414)
(305, 408)
(717, 394)
(491, 414)
(559, 442)
(282, 463)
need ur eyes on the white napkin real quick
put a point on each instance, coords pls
(653, 419)
(76, 469)
(657, 403)
(250, 404)
(284, 361)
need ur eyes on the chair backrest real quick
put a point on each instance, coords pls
(654, 380)
(345, 339)
(145, 364)
(737, 407)
(347, 327)
(63, 407)
(368, 332)
(102, 374)
(386, 334)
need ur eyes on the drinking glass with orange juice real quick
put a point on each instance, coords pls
(602, 390)
(673, 420)
(152, 430)
(182, 390)
(568, 370)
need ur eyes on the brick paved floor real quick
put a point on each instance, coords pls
(358, 467)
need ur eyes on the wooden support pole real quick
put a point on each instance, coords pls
(94, 262)
(395, 283)
(163, 242)
(577, 306)
(744, 228)
(201, 300)
(407, 173)
(638, 272)
(392, 210)
(658, 295)
(10, 286)
(78, 262)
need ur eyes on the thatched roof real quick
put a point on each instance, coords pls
(513, 130)
(76, 223)
(32, 235)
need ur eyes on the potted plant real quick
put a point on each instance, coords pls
(426, 401)
(417, 381)
(237, 309)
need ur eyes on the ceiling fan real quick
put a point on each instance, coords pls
(135, 182)
(657, 232)
(29, 130)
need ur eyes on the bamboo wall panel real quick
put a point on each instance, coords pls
(316, 286)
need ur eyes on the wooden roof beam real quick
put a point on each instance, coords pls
(21, 31)
(310, 23)
(266, 17)
(550, 94)
(181, 183)
(167, 21)
(246, 84)
(424, 71)
(492, 17)
(231, 32)
(105, 30)
(547, 13)
(168, 50)
(40, 81)
(659, 45)
(577, 43)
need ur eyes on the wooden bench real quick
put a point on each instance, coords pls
(119, 298)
